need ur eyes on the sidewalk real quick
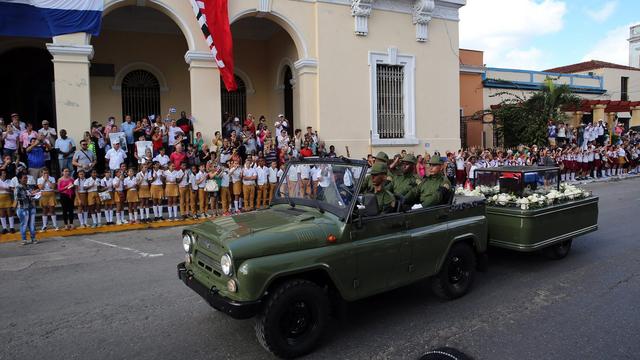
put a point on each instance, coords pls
(102, 229)
(605, 179)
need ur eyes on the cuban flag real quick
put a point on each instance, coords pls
(48, 18)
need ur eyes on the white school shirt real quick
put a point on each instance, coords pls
(158, 177)
(590, 156)
(272, 175)
(170, 176)
(293, 172)
(472, 171)
(347, 178)
(621, 152)
(315, 173)
(224, 178)
(91, 184)
(107, 184)
(199, 177)
(262, 173)
(579, 158)
(79, 183)
(143, 178)
(5, 186)
(246, 172)
(459, 163)
(184, 181)
(192, 181)
(280, 174)
(117, 184)
(304, 172)
(48, 187)
(236, 174)
(130, 183)
(163, 160)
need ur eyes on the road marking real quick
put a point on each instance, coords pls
(141, 253)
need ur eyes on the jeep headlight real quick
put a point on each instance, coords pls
(225, 264)
(187, 242)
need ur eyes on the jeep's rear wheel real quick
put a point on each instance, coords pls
(457, 273)
(559, 250)
(293, 319)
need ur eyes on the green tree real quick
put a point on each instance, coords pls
(524, 120)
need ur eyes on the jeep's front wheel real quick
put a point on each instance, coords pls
(457, 273)
(293, 318)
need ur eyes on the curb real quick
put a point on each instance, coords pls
(7, 238)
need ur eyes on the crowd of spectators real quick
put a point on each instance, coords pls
(155, 162)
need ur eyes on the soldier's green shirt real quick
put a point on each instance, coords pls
(403, 184)
(386, 201)
(427, 192)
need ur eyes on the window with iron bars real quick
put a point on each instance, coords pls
(390, 101)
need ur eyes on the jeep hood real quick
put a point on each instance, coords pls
(266, 232)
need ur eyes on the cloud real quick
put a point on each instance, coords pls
(602, 14)
(503, 29)
(613, 47)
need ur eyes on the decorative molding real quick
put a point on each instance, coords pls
(200, 59)
(445, 9)
(422, 11)
(264, 6)
(280, 74)
(361, 10)
(117, 80)
(306, 66)
(248, 84)
(469, 69)
(83, 52)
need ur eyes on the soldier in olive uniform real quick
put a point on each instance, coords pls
(433, 189)
(407, 181)
(386, 200)
(381, 158)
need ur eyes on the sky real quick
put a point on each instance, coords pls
(542, 34)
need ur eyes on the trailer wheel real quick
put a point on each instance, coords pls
(293, 319)
(457, 273)
(559, 250)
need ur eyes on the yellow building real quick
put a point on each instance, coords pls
(368, 74)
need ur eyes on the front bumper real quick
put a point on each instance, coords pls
(235, 309)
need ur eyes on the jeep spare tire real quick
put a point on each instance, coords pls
(457, 273)
(293, 319)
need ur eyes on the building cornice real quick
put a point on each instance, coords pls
(191, 56)
(306, 66)
(444, 9)
(472, 69)
(64, 49)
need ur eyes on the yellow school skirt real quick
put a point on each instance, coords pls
(144, 192)
(48, 198)
(5, 201)
(81, 199)
(110, 201)
(119, 197)
(132, 196)
(171, 189)
(237, 188)
(156, 192)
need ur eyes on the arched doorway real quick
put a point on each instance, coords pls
(265, 51)
(234, 103)
(140, 94)
(27, 85)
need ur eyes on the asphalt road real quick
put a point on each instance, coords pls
(117, 297)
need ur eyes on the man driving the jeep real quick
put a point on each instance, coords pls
(385, 199)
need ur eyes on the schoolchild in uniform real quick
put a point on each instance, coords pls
(93, 198)
(305, 181)
(157, 191)
(131, 186)
(200, 180)
(214, 175)
(225, 194)
(249, 176)
(597, 163)
(272, 179)
(184, 189)
(6, 203)
(236, 176)
(171, 191)
(106, 186)
(280, 175)
(144, 192)
(293, 177)
(119, 196)
(262, 173)
(81, 199)
(193, 191)
(47, 186)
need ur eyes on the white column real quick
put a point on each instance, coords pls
(205, 93)
(71, 55)
(306, 111)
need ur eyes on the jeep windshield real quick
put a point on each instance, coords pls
(326, 184)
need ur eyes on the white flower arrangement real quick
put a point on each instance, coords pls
(538, 199)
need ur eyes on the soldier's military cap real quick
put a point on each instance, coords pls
(410, 158)
(382, 156)
(435, 160)
(379, 168)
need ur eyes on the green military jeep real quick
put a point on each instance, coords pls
(322, 242)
